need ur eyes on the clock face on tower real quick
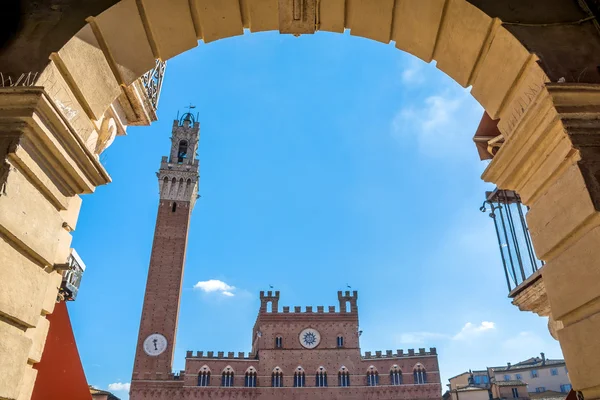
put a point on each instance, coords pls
(155, 344)
(310, 338)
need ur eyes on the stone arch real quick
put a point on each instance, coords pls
(471, 47)
(250, 377)
(277, 377)
(419, 374)
(119, 45)
(299, 377)
(372, 376)
(204, 368)
(395, 375)
(343, 376)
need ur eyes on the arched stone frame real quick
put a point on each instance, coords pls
(372, 376)
(228, 376)
(299, 377)
(250, 377)
(396, 375)
(545, 159)
(321, 377)
(419, 374)
(204, 376)
(277, 377)
(343, 376)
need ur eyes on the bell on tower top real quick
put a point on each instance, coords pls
(188, 117)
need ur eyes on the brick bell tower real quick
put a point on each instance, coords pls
(178, 185)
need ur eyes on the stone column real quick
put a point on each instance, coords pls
(551, 157)
(44, 166)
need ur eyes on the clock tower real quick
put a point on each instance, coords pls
(178, 186)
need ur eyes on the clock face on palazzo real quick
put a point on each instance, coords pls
(310, 338)
(155, 344)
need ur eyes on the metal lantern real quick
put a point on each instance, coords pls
(72, 273)
(514, 241)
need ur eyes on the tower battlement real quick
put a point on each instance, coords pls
(347, 304)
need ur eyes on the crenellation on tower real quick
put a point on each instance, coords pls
(348, 301)
(269, 298)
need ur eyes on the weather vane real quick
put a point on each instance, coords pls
(190, 108)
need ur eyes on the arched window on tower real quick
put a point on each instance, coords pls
(204, 376)
(395, 376)
(277, 377)
(227, 377)
(372, 376)
(278, 342)
(419, 374)
(343, 377)
(340, 341)
(182, 151)
(250, 377)
(174, 208)
(299, 377)
(321, 377)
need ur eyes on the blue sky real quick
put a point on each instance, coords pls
(326, 160)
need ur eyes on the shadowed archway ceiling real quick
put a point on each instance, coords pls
(565, 34)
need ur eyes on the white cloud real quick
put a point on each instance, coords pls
(214, 285)
(442, 125)
(119, 386)
(413, 72)
(470, 330)
(420, 337)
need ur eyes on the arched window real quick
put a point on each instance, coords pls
(395, 376)
(419, 374)
(340, 341)
(227, 377)
(174, 208)
(321, 378)
(182, 151)
(269, 306)
(204, 376)
(277, 377)
(343, 377)
(250, 377)
(372, 376)
(278, 342)
(299, 377)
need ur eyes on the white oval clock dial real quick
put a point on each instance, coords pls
(310, 338)
(155, 344)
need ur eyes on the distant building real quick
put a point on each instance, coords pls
(537, 377)
(540, 374)
(463, 387)
(99, 394)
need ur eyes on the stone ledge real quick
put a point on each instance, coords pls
(66, 160)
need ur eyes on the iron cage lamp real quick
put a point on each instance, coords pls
(514, 241)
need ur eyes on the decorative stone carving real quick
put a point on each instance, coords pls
(297, 16)
(107, 134)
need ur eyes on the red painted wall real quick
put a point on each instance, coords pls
(60, 373)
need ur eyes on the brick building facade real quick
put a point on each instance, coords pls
(296, 354)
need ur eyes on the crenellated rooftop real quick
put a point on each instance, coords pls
(399, 353)
(347, 304)
(221, 355)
